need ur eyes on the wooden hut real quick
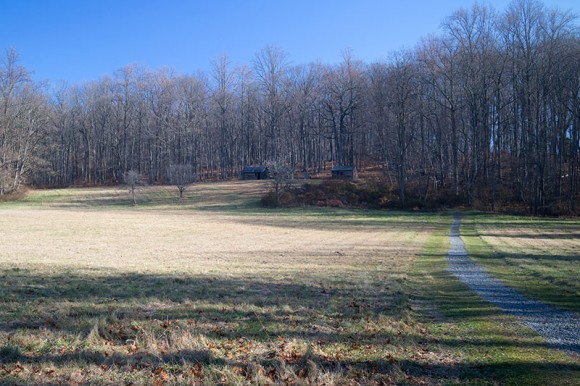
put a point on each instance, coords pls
(255, 173)
(344, 172)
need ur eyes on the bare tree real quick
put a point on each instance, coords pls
(487, 107)
(403, 105)
(270, 66)
(133, 179)
(342, 88)
(302, 88)
(439, 59)
(5, 181)
(282, 176)
(471, 32)
(24, 115)
(181, 175)
(222, 109)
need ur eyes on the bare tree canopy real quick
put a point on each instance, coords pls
(133, 179)
(24, 117)
(181, 175)
(282, 176)
(486, 112)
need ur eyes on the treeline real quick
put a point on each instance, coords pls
(488, 110)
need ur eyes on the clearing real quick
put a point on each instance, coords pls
(216, 289)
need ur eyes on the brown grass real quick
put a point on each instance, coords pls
(212, 290)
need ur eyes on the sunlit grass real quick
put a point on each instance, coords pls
(216, 289)
(538, 256)
(482, 345)
(210, 289)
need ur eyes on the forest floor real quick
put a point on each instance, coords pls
(215, 289)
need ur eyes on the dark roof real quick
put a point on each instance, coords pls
(342, 168)
(254, 169)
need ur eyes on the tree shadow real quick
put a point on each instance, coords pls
(548, 278)
(231, 309)
(76, 298)
(12, 354)
(526, 256)
(417, 370)
(486, 373)
(572, 235)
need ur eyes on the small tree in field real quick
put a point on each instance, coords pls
(181, 175)
(133, 179)
(282, 176)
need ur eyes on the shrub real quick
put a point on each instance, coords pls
(370, 194)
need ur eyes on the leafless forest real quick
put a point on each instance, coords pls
(487, 110)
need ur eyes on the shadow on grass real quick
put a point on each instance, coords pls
(573, 235)
(417, 371)
(481, 373)
(527, 256)
(118, 309)
(551, 278)
(538, 227)
(66, 302)
(494, 347)
(232, 198)
(326, 218)
(241, 308)
(225, 195)
(12, 354)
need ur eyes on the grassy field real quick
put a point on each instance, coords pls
(489, 347)
(217, 290)
(537, 256)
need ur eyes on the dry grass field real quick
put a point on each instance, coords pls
(212, 290)
(217, 290)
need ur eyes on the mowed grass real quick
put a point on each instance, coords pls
(486, 346)
(540, 257)
(215, 289)
(211, 290)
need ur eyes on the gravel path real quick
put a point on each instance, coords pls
(560, 328)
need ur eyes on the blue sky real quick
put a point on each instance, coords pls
(81, 40)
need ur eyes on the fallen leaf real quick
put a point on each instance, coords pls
(197, 370)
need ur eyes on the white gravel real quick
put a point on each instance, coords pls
(560, 328)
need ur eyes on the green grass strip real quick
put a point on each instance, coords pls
(484, 346)
(550, 276)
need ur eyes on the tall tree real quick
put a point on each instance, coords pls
(342, 88)
(23, 116)
(403, 105)
(270, 67)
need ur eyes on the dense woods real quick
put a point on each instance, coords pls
(487, 111)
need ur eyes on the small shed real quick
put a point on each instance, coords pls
(344, 172)
(255, 173)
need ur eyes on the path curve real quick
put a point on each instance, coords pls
(560, 328)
